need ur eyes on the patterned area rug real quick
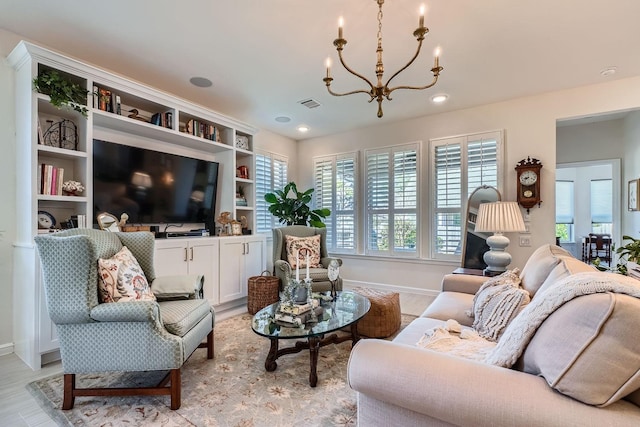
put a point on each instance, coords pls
(233, 389)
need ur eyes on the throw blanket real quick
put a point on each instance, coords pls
(455, 341)
(518, 334)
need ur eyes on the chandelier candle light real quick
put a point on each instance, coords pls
(498, 218)
(380, 91)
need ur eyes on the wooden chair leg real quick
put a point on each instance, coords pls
(69, 389)
(210, 345)
(175, 389)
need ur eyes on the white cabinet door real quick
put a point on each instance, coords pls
(232, 254)
(240, 258)
(190, 256)
(203, 259)
(171, 257)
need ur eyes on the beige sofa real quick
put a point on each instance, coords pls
(589, 348)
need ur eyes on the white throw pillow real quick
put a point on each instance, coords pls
(122, 279)
(497, 303)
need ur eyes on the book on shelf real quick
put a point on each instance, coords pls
(50, 180)
(96, 97)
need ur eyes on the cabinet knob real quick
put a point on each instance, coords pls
(185, 255)
(191, 259)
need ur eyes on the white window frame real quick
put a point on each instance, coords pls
(330, 163)
(391, 210)
(261, 206)
(461, 206)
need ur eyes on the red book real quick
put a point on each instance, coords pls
(54, 181)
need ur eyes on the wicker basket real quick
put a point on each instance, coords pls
(383, 319)
(263, 291)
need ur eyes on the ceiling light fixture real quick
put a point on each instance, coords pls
(439, 98)
(201, 81)
(303, 128)
(380, 91)
(608, 71)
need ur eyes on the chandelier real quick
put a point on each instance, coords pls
(380, 91)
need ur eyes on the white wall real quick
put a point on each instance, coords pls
(530, 130)
(631, 168)
(590, 141)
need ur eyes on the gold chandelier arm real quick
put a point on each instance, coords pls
(436, 73)
(327, 81)
(420, 39)
(355, 74)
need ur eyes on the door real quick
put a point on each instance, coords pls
(232, 264)
(203, 259)
(171, 257)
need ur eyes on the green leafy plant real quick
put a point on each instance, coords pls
(62, 91)
(295, 210)
(626, 253)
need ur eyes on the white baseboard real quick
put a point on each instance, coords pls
(348, 284)
(6, 349)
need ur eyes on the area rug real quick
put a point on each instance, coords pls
(233, 389)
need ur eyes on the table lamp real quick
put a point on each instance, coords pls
(498, 218)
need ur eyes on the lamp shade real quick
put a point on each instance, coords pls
(499, 217)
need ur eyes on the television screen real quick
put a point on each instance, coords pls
(153, 187)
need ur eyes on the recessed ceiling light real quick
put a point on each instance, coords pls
(608, 71)
(200, 82)
(303, 128)
(439, 98)
(283, 119)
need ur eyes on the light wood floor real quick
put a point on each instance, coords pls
(19, 408)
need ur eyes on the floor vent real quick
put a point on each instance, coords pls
(309, 103)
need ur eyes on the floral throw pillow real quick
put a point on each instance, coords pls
(498, 301)
(299, 247)
(122, 279)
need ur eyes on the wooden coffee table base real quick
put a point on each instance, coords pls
(313, 344)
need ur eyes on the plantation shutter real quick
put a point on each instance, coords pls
(271, 174)
(392, 200)
(334, 189)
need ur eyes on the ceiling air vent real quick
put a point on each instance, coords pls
(309, 103)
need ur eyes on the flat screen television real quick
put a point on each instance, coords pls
(153, 187)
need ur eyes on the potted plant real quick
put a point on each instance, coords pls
(629, 252)
(61, 91)
(295, 210)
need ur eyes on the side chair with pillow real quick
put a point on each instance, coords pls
(289, 240)
(99, 294)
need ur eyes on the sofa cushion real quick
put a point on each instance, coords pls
(299, 249)
(178, 317)
(587, 350)
(496, 303)
(121, 279)
(451, 305)
(539, 265)
(567, 266)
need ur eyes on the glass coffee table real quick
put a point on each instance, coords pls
(344, 312)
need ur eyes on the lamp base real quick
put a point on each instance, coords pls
(496, 258)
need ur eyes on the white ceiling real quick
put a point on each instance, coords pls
(265, 56)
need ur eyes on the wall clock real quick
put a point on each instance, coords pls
(45, 220)
(528, 171)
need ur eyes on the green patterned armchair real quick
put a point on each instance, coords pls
(120, 336)
(282, 268)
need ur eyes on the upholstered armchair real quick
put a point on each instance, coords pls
(134, 335)
(282, 268)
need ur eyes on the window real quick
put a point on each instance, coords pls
(392, 201)
(601, 206)
(564, 211)
(460, 165)
(335, 189)
(271, 174)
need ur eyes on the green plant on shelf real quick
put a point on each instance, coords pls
(61, 91)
